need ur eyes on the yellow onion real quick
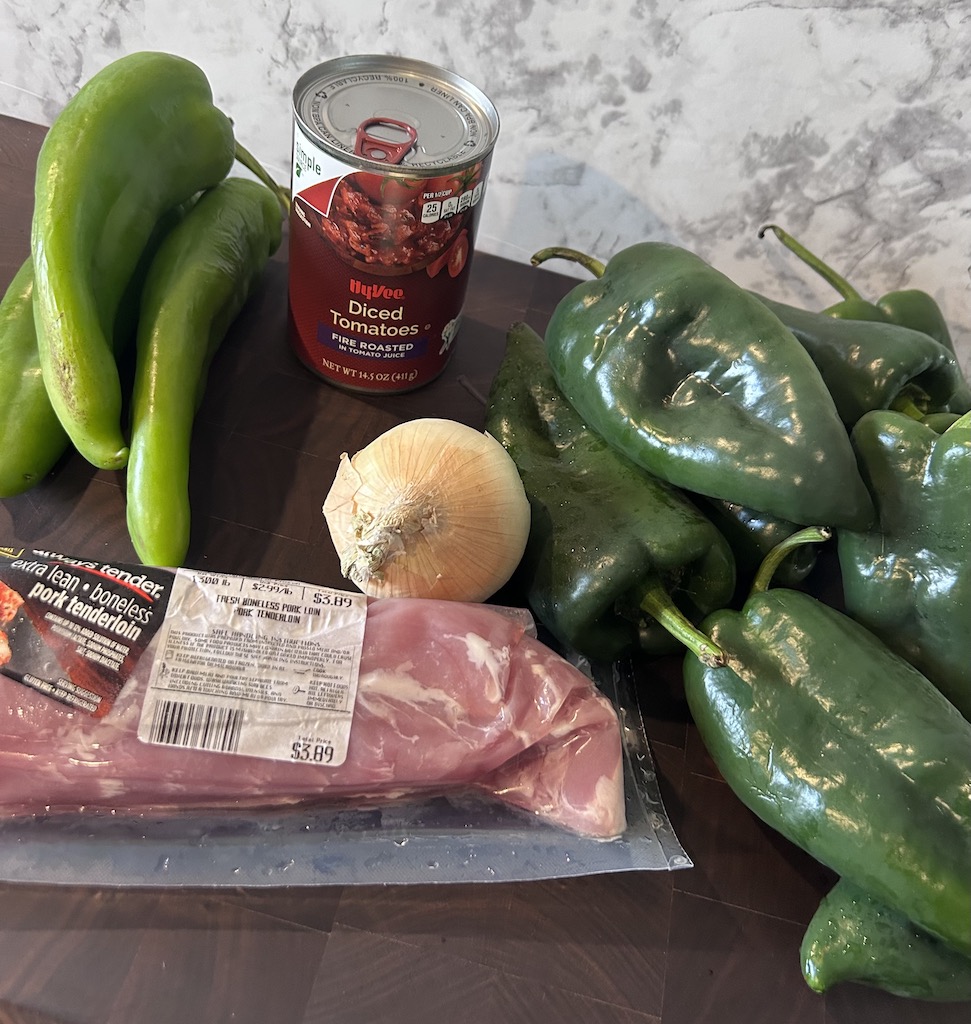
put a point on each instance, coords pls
(430, 508)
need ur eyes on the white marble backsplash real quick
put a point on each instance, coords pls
(693, 121)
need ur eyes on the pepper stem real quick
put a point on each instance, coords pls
(772, 561)
(561, 252)
(907, 402)
(825, 271)
(658, 603)
(246, 158)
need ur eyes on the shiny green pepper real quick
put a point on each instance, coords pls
(908, 577)
(844, 748)
(196, 285)
(752, 535)
(602, 530)
(693, 379)
(871, 365)
(853, 937)
(32, 439)
(139, 138)
(908, 307)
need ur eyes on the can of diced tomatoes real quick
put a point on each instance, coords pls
(390, 160)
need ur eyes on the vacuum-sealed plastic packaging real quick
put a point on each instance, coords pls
(187, 706)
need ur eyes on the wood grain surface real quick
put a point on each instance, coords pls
(716, 943)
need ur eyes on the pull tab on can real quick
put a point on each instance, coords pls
(373, 147)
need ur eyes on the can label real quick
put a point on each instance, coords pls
(379, 267)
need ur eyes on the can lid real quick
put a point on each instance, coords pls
(453, 121)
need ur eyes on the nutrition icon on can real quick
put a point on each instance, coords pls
(390, 160)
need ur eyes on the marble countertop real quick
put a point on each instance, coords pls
(687, 121)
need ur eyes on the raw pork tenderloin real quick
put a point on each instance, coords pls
(450, 696)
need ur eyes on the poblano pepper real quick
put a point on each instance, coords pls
(908, 307)
(939, 421)
(842, 747)
(908, 577)
(692, 378)
(603, 531)
(752, 535)
(871, 365)
(854, 937)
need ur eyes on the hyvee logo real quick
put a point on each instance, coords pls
(375, 291)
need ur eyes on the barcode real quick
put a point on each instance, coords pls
(203, 726)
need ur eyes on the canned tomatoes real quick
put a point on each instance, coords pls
(390, 158)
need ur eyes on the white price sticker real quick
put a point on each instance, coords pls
(267, 668)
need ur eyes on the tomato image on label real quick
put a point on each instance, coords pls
(454, 258)
(456, 182)
(458, 255)
(383, 189)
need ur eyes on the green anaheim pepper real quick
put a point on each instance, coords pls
(139, 138)
(908, 577)
(603, 532)
(196, 285)
(32, 439)
(842, 747)
(692, 378)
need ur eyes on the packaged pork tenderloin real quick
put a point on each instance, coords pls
(133, 691)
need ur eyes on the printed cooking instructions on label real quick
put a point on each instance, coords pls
(251, 666)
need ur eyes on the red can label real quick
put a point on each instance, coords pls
(379, 268)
